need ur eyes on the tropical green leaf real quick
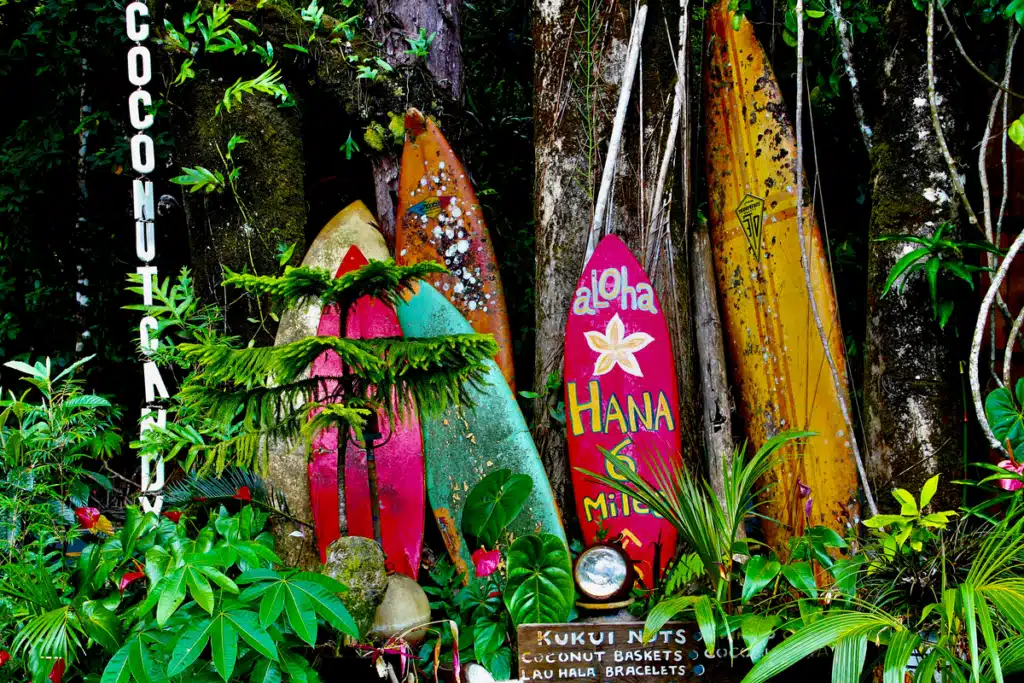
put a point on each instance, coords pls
(848, 660)
(758, 572)
(199, 588)
(906, 500)
(663, 612)
(102, 624)
(493, 504)
(702, 609)
(265, 671)
(256, 636)
(901, 646)
(272, 605)
(828, 630)
(1005, 415)
(118, 670)
(189, 646)
(928, 491)
(301, 616)
(801, 576)
(224, 646)
(757, 630)
(172, 595)
(991, 643)
(902, 265)
(539, 588)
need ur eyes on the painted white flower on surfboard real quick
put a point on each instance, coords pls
(615, 348)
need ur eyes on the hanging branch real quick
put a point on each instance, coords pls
(954, 177)
(1002, 86)
(657, 206)
(851, 73)
(632, 57)
(804, 261)
(979, 333)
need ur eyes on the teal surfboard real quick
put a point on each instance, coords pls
(466, 444)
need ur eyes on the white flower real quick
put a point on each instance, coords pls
(615, 348)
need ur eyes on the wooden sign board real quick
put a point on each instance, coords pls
(610, 653)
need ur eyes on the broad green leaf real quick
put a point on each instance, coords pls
(991, 643)
(102, 624)
(757, 629)
(224, 646)
(219, 578)
(249, 628)
(928, 491)
(926, 669)
(879, 521)
(172, 596)
(706, 621)
(189, 646)
(271, 606)
(801, 576)
(758, 572)
(848, 660)
(967, 599)
(492, 505)
(1016, 131)
(301, 616)
(265, 671)
(539, 588)
(144, 669)
(327, 605)
(906, 500)
(845, 572)
(199, 588)
(488, 636)
(118, 669)
(901, 646)
(499, 664)
(1005, 415)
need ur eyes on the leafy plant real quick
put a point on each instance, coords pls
(419, 45)
(539, 589)
(349, 147)
(911, 529)
(373, 70)
(313, 14)
(268, 82)
(200, 179)
(492, 505)
(1016, 130)
(934, 256)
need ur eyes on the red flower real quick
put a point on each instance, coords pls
(173, 515)
(57, 673)
(243, 494)
(128, 578)
(486, 562)
(1011, 484)
(5, 657)
(87, 517)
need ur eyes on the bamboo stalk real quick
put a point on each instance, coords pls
(625, 90)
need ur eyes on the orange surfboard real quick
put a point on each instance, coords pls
(439, 219)
(777, 358)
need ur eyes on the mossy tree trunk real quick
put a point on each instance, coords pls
(580, 53)
(912, 385)
(294, 173)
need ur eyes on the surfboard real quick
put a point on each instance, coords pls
(399, 459)
(439, 219)
(466, 444)
(777, 358)
(292, 470)
(620, 395)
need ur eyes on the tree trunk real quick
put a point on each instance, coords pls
(580, 51)
(912, 387)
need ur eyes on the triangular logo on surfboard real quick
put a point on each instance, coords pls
(750, 213)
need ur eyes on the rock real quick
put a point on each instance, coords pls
(358, 563)
(405, 606)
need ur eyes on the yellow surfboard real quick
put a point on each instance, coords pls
(778, 361)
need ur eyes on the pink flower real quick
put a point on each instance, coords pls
(804, 491)
(5, 657)
(486, 562)
(174, 515)
(87, 517)
(243, 494)
(57, 673)
(128, 578)
(1011, 484)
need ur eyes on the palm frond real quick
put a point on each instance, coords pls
(226, 487)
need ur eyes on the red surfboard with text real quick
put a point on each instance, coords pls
(620, 395)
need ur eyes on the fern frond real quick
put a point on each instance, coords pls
(225, 487)
(380, 279)
(349, 415)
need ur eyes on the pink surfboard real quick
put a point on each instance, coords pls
(399, 461)
(620, 395)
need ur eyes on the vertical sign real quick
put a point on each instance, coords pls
(143, 153)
